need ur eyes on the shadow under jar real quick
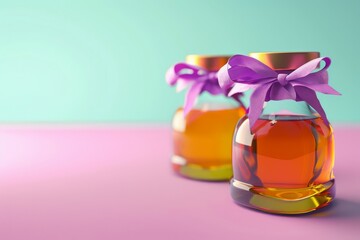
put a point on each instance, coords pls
(285, 165)
(202, 139)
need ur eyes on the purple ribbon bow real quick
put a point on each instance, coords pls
(242, 73)
(198, 80)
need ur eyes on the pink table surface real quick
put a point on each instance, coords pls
(115, 182)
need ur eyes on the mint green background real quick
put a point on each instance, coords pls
(104, 61)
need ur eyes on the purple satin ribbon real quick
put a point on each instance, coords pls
(242, 73)
(198, 80)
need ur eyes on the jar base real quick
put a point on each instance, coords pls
(195, 171)
(283, 200)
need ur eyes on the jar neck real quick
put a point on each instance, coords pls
(208, 102)
(288, 109)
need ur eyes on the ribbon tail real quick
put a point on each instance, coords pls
(191, 96)
(239, 88)
(257, 100)
(310, 97)
(182, 84)
(322, 88)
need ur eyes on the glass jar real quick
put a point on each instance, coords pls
(284, 163)
(202, 138)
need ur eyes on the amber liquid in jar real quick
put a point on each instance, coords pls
(285, 166)
(202, 142)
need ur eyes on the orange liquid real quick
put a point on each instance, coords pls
(202, 142)
(289, 159)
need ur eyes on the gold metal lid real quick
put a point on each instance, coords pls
(284, 60)
(208, 62)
